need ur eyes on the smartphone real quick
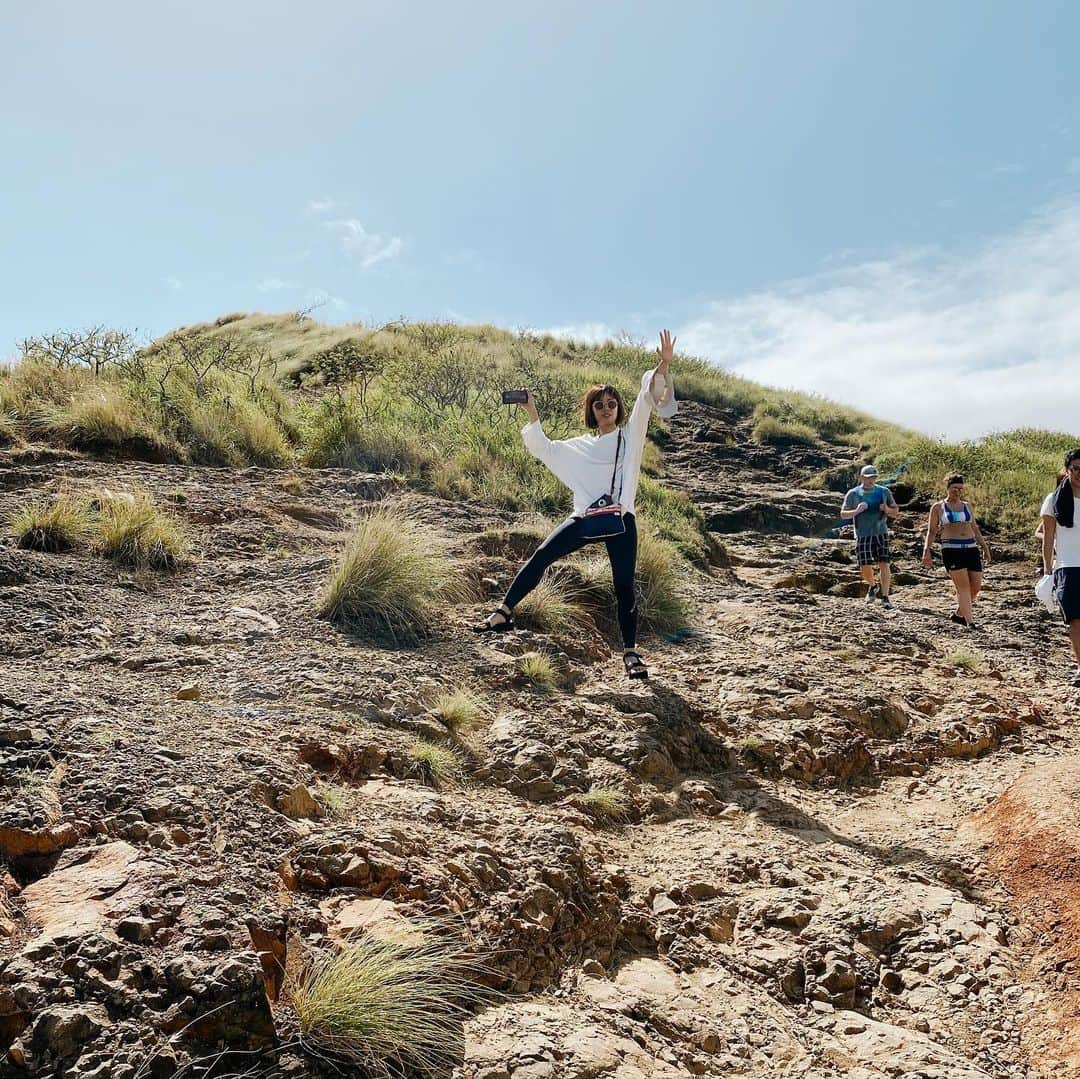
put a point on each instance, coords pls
(515, 397)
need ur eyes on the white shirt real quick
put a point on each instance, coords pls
(585, 463)
(1066, 540)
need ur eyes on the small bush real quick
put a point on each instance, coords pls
(460, 709)
(968, 661)
(388, 584)
(62, 525)
(607, 803)
(538, 669)
(438, 765)
(136, 533)
(102, 417)
(387, 1001)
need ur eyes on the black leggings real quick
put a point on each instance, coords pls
(567, 538)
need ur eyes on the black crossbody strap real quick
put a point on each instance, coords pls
(611, 489)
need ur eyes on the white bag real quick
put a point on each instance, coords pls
(1044, 592)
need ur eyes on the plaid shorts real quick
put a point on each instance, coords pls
(869, 550)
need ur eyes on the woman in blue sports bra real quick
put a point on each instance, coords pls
(961, 542)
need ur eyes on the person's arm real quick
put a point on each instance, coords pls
(651, 396)
(536, 440)
(850, 508)
(889, 506)
(933, 527)
(1049, 523)
(983, 545)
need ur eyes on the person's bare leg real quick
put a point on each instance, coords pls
(1074, 640)
(963, 593)
(886, 578)
(974, 584)
(867, 574)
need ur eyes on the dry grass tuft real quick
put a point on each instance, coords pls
(460, 709)
(62, 525)
(967, 660)
(538, 669)
(437, 765)
(389, 584)
(551, 606)
(607, 803)
(388, 1002)
(135, 532)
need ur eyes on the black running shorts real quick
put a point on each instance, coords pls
(1067, 592)
(962, 558)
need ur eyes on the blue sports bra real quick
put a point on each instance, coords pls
(955, 517)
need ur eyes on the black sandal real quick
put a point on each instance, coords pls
(504, 626)
(635, 665)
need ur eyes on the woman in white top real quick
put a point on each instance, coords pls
(607, 462)
(1061, 549)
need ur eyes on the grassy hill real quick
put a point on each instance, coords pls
(421, 400)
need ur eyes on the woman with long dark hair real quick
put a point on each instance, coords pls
(601, 469)
(1061, 549)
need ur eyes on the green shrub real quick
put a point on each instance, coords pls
(387, 1001)
(60, 525)
(438, 765)
(134, 532)
(388, 584)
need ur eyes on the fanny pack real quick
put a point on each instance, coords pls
(604, 517)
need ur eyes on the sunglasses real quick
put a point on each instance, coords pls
(605, 406)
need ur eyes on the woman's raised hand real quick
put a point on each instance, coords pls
(666, 351)
(529, 404)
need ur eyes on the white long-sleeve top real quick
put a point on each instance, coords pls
(585, 463)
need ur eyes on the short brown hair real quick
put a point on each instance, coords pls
(591, 395)
(953, 477)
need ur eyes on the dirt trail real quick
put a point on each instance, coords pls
(844, 856)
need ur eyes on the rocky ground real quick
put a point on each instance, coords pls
(852, 850)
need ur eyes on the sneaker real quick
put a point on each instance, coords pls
(886, 603)
(957, 619)
(871, 593)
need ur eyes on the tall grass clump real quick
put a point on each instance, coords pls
(388, 584)
(102, 417)
(662, 603)
(134, 531)
(551, 606)
(388, 1001)
(437, 765)
(778, 432)
(61, 525)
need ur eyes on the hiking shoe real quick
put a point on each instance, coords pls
(886, 603)
(958, 619)
(871, 593)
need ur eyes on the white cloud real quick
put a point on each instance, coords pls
(953, 344)
(324, 205)
(588, 333)
(365, 247)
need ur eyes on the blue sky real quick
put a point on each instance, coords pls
(877, 201)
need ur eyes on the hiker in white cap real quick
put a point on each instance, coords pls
(870, 507)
